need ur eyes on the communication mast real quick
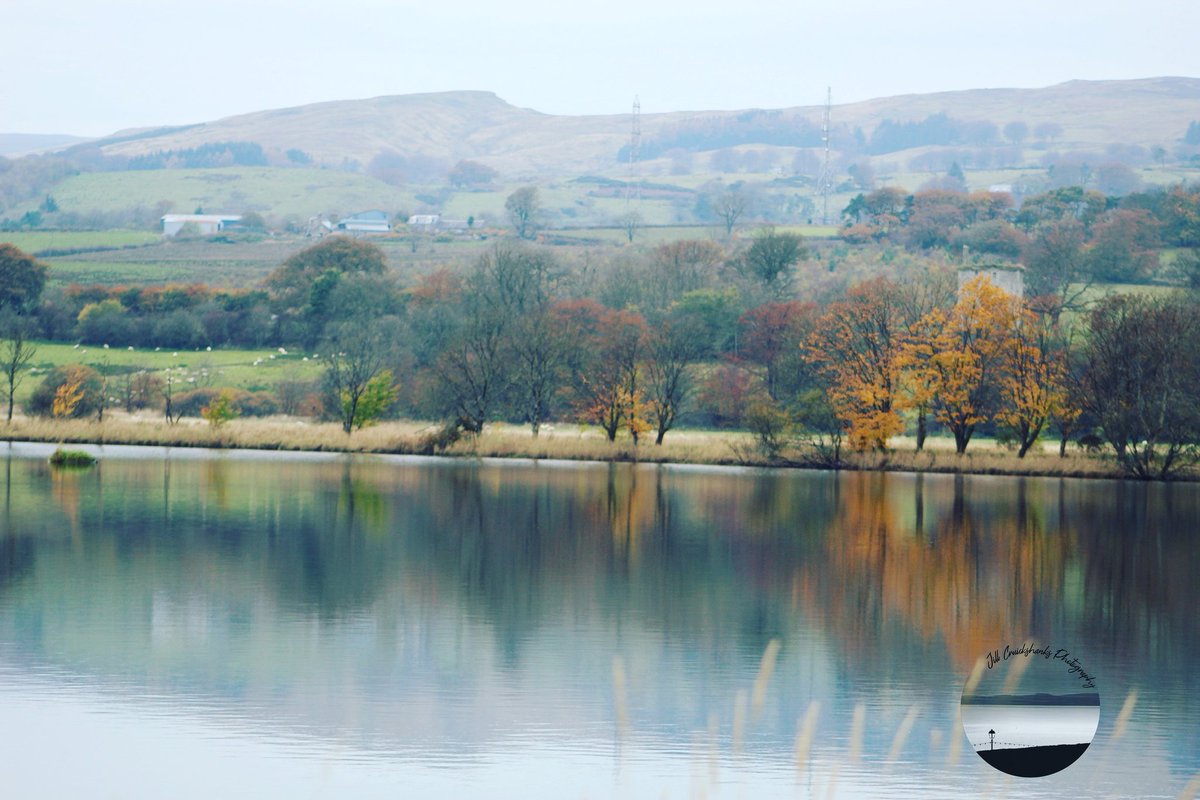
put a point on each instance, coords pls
(825, 182)
(633, 187)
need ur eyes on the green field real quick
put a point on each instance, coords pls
(245, 369)
(37, 241)
(117, 273)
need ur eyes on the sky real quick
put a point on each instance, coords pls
(91, 68)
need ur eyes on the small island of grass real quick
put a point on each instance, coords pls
(71, 458)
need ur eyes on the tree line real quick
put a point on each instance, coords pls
(693, 333)
(1064, 237)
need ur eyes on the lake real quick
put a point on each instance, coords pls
(236, 624)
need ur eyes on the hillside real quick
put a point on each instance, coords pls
(19, 144)
(479, 125)
(448, 126)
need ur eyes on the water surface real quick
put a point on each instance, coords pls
(249, 625)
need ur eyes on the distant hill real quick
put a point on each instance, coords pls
(20, 144)
(450, 126)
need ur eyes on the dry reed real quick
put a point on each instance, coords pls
(1125, 714)
(906, 726)
(568, 442)
(804, 735)
(766, 669)
(739, 720)
(858, 726)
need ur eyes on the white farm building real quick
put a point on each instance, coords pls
(206, 224)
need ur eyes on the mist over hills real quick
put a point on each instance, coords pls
(19, 144)
(478, 125)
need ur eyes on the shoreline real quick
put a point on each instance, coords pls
(556, 442)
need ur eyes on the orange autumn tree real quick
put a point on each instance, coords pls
(1033, 387)
(855, 345)
(918, 378)
(67, 397)
(610, 392)
(963, 359)
(919, 297)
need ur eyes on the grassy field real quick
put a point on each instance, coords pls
(244, 369)
(118, 273)
(240, 263)
(36, 241)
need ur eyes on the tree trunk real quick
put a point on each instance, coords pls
(922, 429)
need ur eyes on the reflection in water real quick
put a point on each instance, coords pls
(610, 629)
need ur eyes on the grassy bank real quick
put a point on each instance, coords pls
(568, 442)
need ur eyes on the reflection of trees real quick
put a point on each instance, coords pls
(979, 562)
(329, 552)
(722, 561)
(974, 571)
(1140, 563)
(16, 552)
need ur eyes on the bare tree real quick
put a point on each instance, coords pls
(540, 355)
(629, 222)
(357, 352)
(671, 349)
(167, 389)
(1139, 380)
(16, 352)
(513, 288)
(730, 207)
(474, 366)
(683, 266)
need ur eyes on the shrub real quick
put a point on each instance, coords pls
(770, 424)
(220, 410)
(180, 328)
(104, 322)
(81, 377)
(256, 404)
(190, 403)
(241, 403)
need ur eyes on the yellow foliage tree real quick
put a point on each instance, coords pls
(855, 344)
(961, 361)
(67, 396)
(1033, 388)
(918, 380)
(637, 412)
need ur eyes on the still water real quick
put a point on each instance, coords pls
(191, 624)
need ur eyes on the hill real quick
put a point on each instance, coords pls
(449, 126)
(19, 144)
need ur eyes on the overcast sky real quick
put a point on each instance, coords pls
(90, 68)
